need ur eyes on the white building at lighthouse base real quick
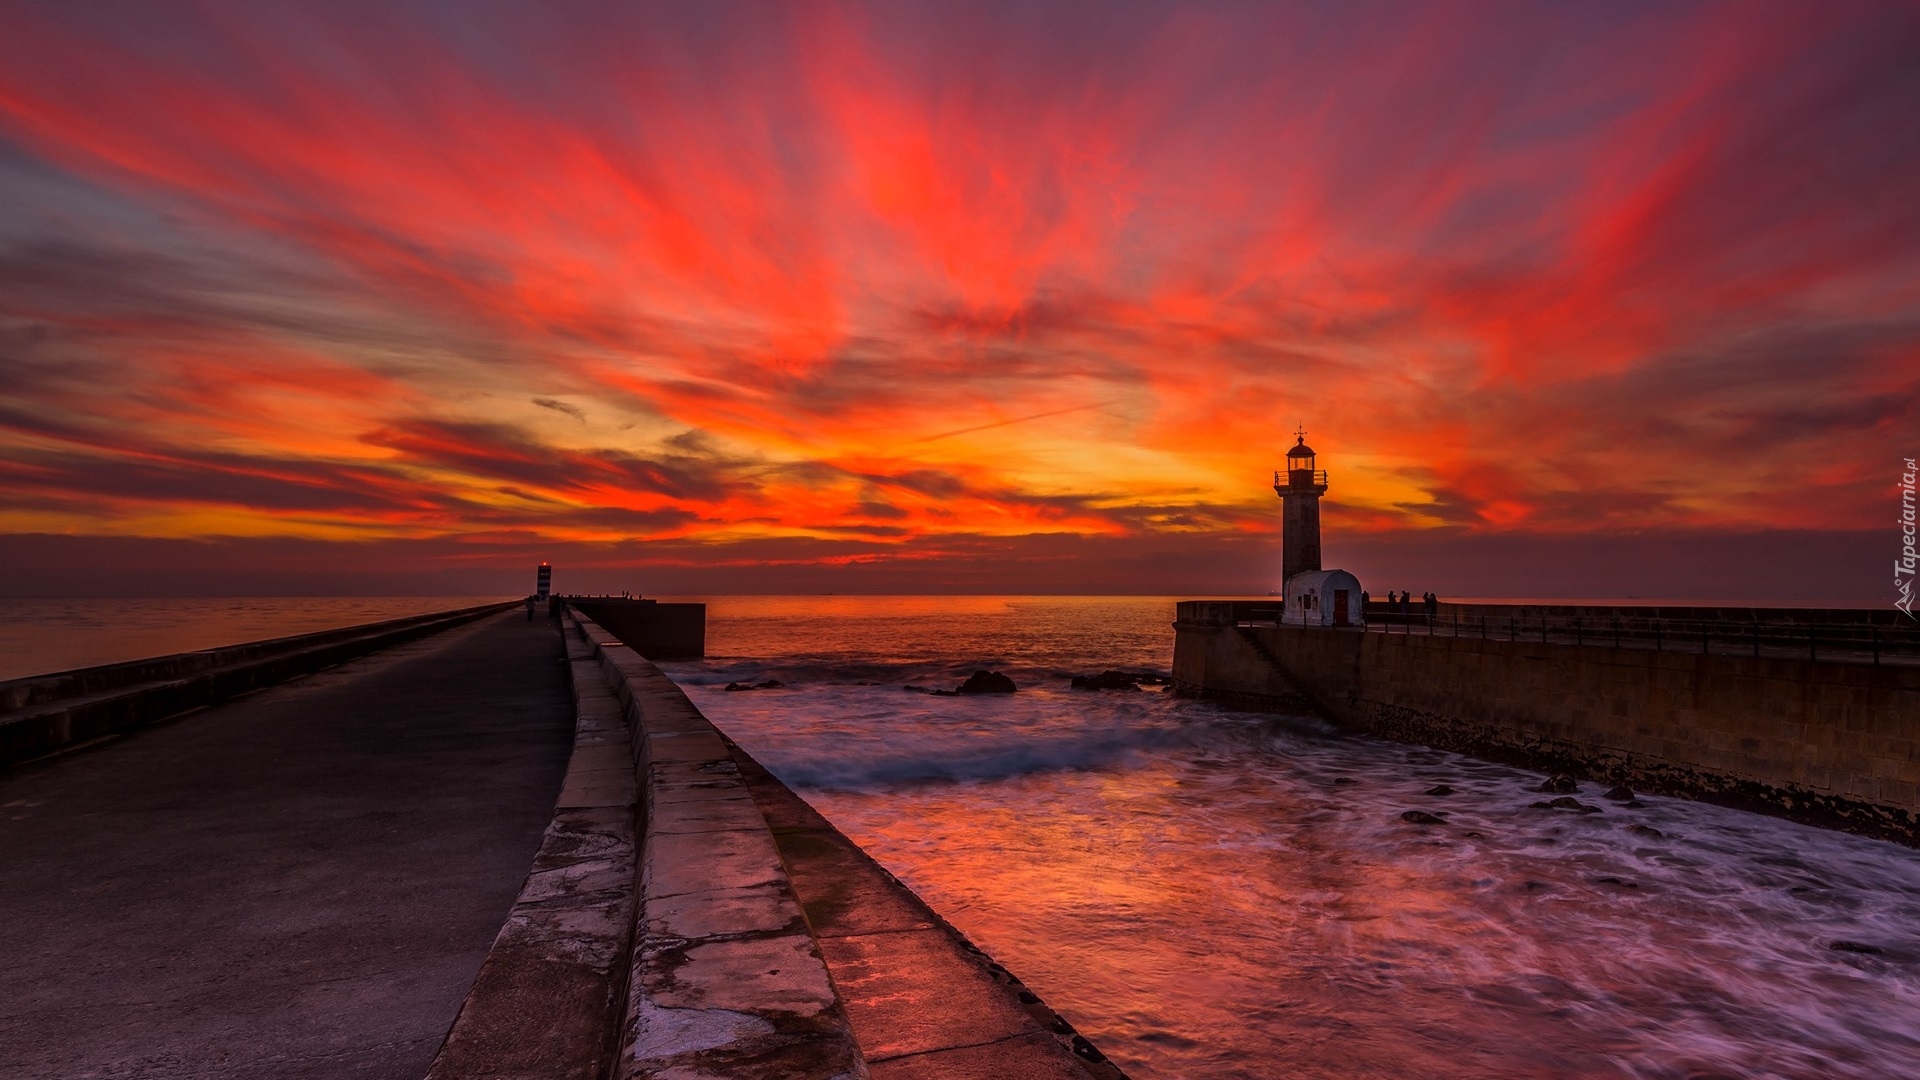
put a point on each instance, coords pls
(1323, 598)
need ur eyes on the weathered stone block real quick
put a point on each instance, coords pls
(677, 863)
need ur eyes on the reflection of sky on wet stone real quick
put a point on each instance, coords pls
(887, 281)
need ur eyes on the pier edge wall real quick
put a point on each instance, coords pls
(44, 715)
(1830, 744)
(655, 630)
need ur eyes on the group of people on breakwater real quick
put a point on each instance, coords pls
(1402, 603)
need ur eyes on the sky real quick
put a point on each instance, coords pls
(1572, 300)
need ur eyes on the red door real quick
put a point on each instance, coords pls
(1339, 607)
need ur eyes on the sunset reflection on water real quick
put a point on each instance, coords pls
(1218, 894)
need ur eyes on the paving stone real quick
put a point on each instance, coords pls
(899, 989)
(695, 862)
(1029, 1057)
(758, 909)
(707, 815)
(780, 974)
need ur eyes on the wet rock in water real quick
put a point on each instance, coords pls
(1633, 804)
(1474, 835)
(986, 682)
(1568, 802)
(1621, 882)
(770, 684)
(911, 689)
(1620, 793)
(1421, 817)
(1645, 830)
(1107, 680)
(1340, 780)
(1440, 789)
(1843, 945)
(1560, 782)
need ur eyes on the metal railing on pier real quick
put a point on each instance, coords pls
(1853, 643)
(1867, 644)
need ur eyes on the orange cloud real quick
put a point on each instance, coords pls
(908, 273)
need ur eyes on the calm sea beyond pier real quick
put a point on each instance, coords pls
(1195, 889)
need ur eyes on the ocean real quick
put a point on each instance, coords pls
(1210, 893)
(39, 635)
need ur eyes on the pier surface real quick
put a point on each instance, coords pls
(299, 883)
(510, 849)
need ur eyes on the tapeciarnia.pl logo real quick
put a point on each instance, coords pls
(1904, 565)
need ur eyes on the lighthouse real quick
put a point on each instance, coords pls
(1299, 488)
(1315, 597)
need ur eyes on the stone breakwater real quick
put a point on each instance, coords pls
(1828, 743)
(689, 916)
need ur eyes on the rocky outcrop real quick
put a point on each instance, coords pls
(986, 682)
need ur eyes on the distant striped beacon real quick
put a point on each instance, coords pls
(545, 581)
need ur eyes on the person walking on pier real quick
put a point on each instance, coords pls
(529, 609)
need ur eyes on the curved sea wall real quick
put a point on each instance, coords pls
(689, 916)
(1829, 743)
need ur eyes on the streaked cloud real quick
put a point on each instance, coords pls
(732, 277)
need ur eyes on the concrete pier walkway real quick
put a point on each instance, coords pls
(300, 883)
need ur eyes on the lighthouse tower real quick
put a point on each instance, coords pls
(1299, 488)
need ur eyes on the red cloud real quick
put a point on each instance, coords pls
(1623, 270)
